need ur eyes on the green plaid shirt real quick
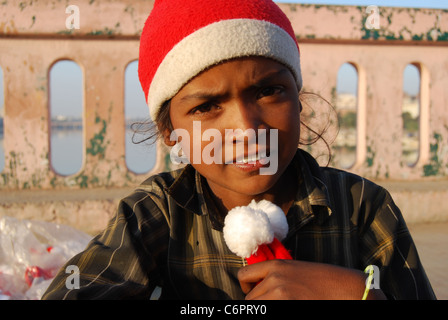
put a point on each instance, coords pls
(167, 234)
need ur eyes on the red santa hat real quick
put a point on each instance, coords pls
(181, 38)
(255, 232)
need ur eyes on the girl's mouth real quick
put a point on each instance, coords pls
(251, 159)
(251, 162)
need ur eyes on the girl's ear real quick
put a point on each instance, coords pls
(166, 138)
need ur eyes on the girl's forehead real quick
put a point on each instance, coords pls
(242, 71)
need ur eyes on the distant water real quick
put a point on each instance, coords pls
(67, 154)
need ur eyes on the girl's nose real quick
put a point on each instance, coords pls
(246, 116)
(245, 121)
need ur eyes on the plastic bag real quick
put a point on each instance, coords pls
(31, 253)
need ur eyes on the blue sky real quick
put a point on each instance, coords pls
(436, 4)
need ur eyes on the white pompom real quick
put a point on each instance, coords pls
(246, 228)
(276, 217)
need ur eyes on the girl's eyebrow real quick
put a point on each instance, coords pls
(202, 96)
(270, 77)
(265, 80)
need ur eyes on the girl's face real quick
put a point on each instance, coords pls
(247, 93)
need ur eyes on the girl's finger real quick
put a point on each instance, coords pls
(249, 276)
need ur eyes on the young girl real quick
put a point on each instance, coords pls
(229, 65)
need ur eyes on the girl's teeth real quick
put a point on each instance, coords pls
(251, 159)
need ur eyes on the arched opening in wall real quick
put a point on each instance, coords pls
(411, 114)
(66, 100)
(140, 154)
(2, 115)
(346, 104)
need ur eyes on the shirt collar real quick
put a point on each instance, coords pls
(190, 191)
(184, 189)
(312, 198)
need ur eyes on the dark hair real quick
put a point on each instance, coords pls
(152, 131)
(315, 125)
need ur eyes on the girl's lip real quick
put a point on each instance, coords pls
(250, 166)
(251, 163)
(261, 156)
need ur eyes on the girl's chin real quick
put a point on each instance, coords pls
(249, 185)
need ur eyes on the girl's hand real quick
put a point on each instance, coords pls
(293, 279)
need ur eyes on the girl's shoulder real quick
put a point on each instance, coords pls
(337, 179)
(351, 180)
(155, 190)
(347, 189)
(161, 182)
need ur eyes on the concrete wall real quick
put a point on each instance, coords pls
(33, 36)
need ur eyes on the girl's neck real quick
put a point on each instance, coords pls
(282, 194)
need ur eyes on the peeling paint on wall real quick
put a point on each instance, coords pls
(35, 19)
(98, 144)
(435, 167)
(391, 31)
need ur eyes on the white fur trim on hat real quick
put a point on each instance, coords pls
(217, 42)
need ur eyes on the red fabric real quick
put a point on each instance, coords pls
(172, 20)
(35, 272)
(271, 251)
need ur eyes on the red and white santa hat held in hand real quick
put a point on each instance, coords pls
(255, 232)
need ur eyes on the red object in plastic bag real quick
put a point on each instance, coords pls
(271, 251)
(35, 272)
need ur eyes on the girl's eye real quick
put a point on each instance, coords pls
(203, 108)
(269, 91)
